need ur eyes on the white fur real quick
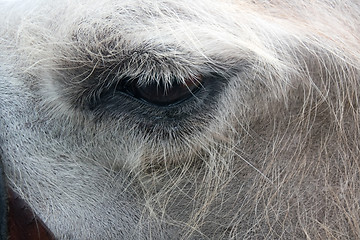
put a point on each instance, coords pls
(275, 157)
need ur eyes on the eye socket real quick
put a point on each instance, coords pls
(160, 94)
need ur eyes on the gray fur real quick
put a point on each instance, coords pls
(273, 155)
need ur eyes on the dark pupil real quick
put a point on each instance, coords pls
(158, 94)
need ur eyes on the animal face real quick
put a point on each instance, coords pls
(166, 119)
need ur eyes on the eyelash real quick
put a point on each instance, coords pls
(160, 94)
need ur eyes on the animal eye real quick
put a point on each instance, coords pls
(160, 94)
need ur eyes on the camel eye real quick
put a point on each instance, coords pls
(156, 103)
(161, 95)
